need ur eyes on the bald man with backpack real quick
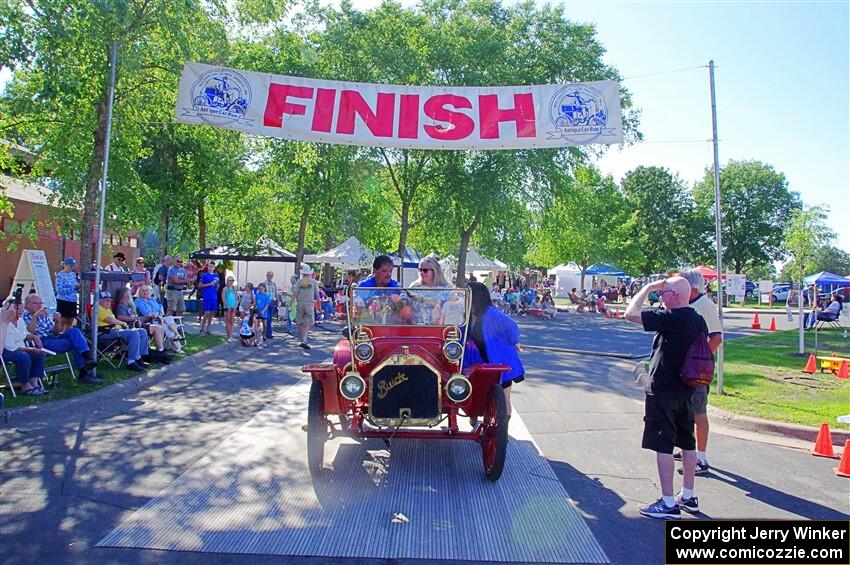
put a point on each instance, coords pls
(668, 409)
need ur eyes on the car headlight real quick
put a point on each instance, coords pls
(364, 351)
(453, 351)
(458, 388)
(352, 386)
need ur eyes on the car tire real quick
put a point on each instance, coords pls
(317, 429)
(494, 437)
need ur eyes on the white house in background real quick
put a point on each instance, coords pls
(568, 277)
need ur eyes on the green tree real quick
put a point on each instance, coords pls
(832, 260)
(662, 221)
(806, 233)
(57, 99)
(584, 223)
(185, 170)
(756, 204)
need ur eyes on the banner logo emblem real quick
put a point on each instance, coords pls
(579, 114)
(220, 97)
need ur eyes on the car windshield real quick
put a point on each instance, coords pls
(409, 306)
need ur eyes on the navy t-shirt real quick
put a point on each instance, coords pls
(675, 332)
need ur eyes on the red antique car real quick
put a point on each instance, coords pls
(399, 375)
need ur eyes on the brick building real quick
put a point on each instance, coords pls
(32, 207)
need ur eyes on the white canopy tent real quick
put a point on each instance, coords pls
(481, 267)
(568, 277)
(348, 255)
(255, 271)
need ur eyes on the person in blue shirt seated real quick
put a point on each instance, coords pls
(382, 273)
(150, 311)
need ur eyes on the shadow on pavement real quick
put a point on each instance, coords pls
(777, 499)
(602, 508)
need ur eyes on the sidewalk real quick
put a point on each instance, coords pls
(73, 469)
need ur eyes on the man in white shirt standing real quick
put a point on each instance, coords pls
(118, 265)
(708, 310)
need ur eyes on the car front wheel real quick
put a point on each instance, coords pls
(494, 440)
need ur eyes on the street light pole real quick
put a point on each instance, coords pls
(717, 217)
(94, 313)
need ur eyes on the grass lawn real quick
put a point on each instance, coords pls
(754, 303)
(67, 388)
(763, 377)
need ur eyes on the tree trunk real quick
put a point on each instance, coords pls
(202, 226)
(583, 265)
(163, 240)
(328, 270)
(302, 227)
(465, 237)
(402, 239)
(91, 206)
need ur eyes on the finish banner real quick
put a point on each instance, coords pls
(413, 117)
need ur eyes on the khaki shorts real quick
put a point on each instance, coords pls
(175, 301)
(305, 314)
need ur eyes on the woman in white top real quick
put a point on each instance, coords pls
(430, 274)
(29, 361)
(428, 309)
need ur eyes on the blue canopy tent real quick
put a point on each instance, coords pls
(411, 259)
(604, 270)
(827, 279)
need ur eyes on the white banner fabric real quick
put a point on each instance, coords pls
(413, 117)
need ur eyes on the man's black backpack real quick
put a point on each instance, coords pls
(698, 365)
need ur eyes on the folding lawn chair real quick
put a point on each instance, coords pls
(51, 372)
(9, 382)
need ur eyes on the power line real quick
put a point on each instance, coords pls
(678, 141)
(664, 72)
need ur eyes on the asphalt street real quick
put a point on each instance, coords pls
(69, 474)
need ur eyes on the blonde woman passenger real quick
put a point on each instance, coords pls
(428, 310)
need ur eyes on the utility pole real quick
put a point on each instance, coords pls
(717, 217)
(94, 314)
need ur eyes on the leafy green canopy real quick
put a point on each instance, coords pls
(756, 203)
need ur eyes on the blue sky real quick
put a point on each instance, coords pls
(782, 89)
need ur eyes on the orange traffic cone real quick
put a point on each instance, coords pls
(617, 315)
(811, 365)
(756, 325)
(842, 371)
(823, 445)
(843, 469)
(773, 324)
(607, 313)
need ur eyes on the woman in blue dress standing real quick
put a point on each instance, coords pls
(208, 286)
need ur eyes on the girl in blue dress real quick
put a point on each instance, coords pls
(496, 339)
(208, 286)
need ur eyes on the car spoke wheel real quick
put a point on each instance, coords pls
(494, 437)
(317, 428)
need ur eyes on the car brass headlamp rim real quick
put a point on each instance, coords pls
(458, 388)
(364, 352)
(352, 386)
(453, 351)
